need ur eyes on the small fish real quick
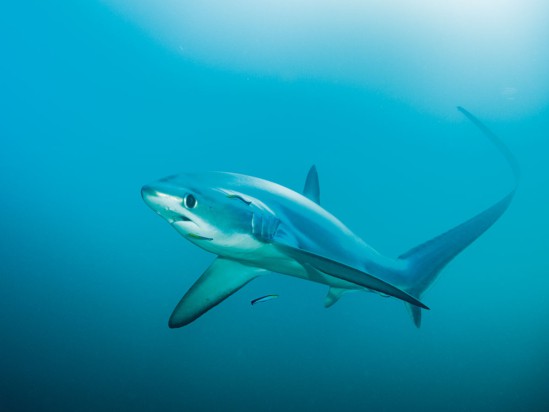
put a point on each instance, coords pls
(263, 299)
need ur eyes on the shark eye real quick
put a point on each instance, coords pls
(190, 201)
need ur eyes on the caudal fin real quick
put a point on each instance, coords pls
(425, 261)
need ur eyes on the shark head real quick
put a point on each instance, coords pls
(204, 212)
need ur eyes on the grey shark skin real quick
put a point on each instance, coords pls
(255, 226)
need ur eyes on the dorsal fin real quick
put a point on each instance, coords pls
(312, 187)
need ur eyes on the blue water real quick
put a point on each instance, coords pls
(93, 106)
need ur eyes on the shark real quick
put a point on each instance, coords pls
(255, 227)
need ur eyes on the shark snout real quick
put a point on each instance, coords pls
(155, 199)
(165, 205)
(148, 194)
(147, 191)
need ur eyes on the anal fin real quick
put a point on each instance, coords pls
(223, 278)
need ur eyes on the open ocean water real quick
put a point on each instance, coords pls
(98, 98)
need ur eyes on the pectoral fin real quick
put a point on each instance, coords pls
(348, 273)
(223, 278)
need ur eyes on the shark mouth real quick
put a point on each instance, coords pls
(173, 217)
(178, 222)
(195, 236)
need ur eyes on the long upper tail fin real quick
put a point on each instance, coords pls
(427, 260)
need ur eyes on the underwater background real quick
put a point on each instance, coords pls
(98, 98)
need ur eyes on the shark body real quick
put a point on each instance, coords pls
(255, 226)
